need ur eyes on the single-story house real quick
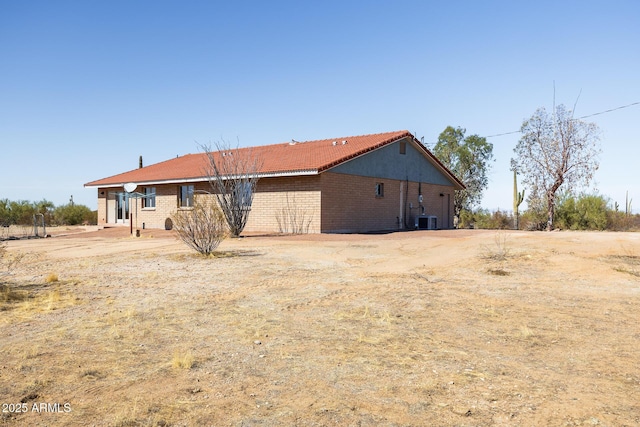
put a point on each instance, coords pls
(379, 182)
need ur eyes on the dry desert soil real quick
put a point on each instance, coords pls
(424, 328)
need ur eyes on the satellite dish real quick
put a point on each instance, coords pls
(130, 186)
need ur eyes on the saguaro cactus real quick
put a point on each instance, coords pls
(518, 197)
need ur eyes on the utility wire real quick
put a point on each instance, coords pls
(582, 117)
(608, 111)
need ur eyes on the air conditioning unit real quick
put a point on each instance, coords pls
(424, 222)
(432, 222)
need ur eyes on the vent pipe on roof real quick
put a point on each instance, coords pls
(140, 162)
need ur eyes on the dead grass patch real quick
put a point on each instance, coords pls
(26, 301)
(628, 263)
(214, 255)
(411, 334)
(9, 296)
(51, 277)
(93, 374)
(498, 272)
(525, 332)
(183, 359)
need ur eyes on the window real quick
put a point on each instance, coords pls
(149, 199)
(380, 189)
(243, 194)
(403, 147)
(185, 196)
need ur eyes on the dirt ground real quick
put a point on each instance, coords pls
(426, 328)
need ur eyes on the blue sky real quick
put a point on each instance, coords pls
(88, 86)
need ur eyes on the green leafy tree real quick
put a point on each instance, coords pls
(22, 212)
(556, 152)
(469, 158)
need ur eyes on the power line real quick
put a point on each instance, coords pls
(502, 134)
(582, 117)
(608, 111)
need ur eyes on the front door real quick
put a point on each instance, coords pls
(122, 208)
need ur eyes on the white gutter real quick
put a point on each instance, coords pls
(204, 178)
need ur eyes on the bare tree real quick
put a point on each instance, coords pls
(556, 151)
(201, 227)
(233, 176)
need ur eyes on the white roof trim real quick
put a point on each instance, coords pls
(204, 179)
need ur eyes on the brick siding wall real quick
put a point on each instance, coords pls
(272, 203)
(330, 202)
(350, 204)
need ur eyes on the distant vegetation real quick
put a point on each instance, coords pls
(22, 212)
(583, 212)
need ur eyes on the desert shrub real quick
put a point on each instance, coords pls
(18, 212)
(619, 221)
(5, 212)
(535, 217)
(73, 214)
(21, 212)
(202, 227)
(8, 260)
(466, 219)
(293, 218)
(500, 220)
(485, 219)
(585, 212)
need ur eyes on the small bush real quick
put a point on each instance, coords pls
(202, 227)
(500, 251)
(294, 219)
(484, 219)
(619, 221)
(9, 260)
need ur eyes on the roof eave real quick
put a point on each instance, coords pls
(277, 174)
(363, 152)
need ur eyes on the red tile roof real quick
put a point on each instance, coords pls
(310, 157)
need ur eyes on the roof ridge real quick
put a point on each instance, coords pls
(353, 136)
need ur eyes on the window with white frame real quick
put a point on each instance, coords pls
(379, 189)
(185, 196)
(149, 198)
